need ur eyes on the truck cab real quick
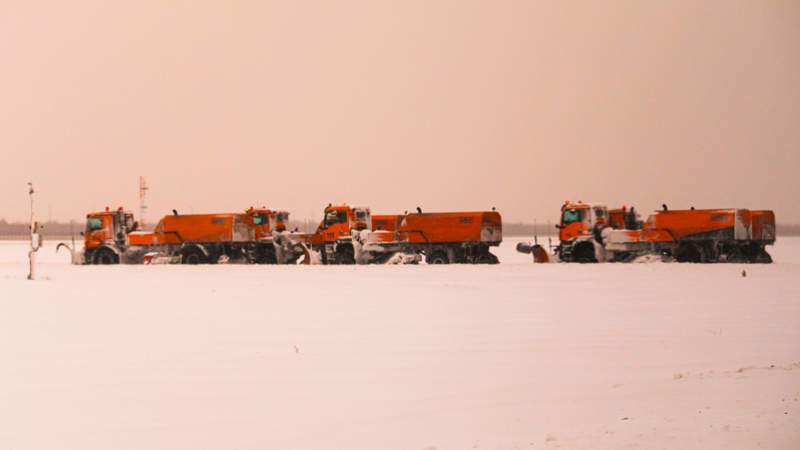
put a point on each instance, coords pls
(106, 235)
(263, 221)
(333, 237)
(581, 219)
(580, 231)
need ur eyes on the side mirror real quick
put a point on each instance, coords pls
(559, 226)
(81, 233)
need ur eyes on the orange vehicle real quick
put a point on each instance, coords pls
(112, 237)
(106, 233)
(453, 237)
(592, 233)
(347, 232)
(334, 236)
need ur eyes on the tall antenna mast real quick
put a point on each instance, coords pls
(142, 205)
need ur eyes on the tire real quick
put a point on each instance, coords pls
(266, 255)
(690, 253)
(487, 258)
(736, 254)
(345, 255)
(104, 256)
(193, 255)
(437, 257)
(755, 253)
(763, 257)
(584, 253)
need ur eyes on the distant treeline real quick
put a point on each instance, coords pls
(17, 230)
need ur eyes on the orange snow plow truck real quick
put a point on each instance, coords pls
(255, 236)
(594, 233)
(349, 235)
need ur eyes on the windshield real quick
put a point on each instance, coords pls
(334, 217)
(93, 223)
(572, 215)
(259, 219)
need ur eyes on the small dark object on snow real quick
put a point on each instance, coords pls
(664, 207)
(419, 210)
(744, 273)
(174, 212)
(624, 418)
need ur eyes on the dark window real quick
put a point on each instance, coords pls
(334, 217)
(93, 223)
(572, 215)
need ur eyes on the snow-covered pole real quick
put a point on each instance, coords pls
(36, 239)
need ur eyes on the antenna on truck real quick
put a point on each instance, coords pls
(142, 205)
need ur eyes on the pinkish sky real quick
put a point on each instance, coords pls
(445, 104)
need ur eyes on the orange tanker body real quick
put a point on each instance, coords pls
(699, 235)
(453, 237)
(179, 229)
(386, 222)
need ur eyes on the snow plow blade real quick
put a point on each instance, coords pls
(540, 255)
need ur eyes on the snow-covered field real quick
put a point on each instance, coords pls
(513, 356)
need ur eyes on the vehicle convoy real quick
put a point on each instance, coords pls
(255, 236)
(594, 233)
(349, 235)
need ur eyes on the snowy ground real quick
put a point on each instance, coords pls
(513, 356)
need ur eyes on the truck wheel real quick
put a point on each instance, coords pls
(193, 255)
(689, 253)
(266, 256)
(757, 254)
(104, 256)
(438, 257)
(345, 255)
(487, 258)
(763, 257)
(584, 253)
(735, 254)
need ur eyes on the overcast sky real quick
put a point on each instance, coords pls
(449, 105)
